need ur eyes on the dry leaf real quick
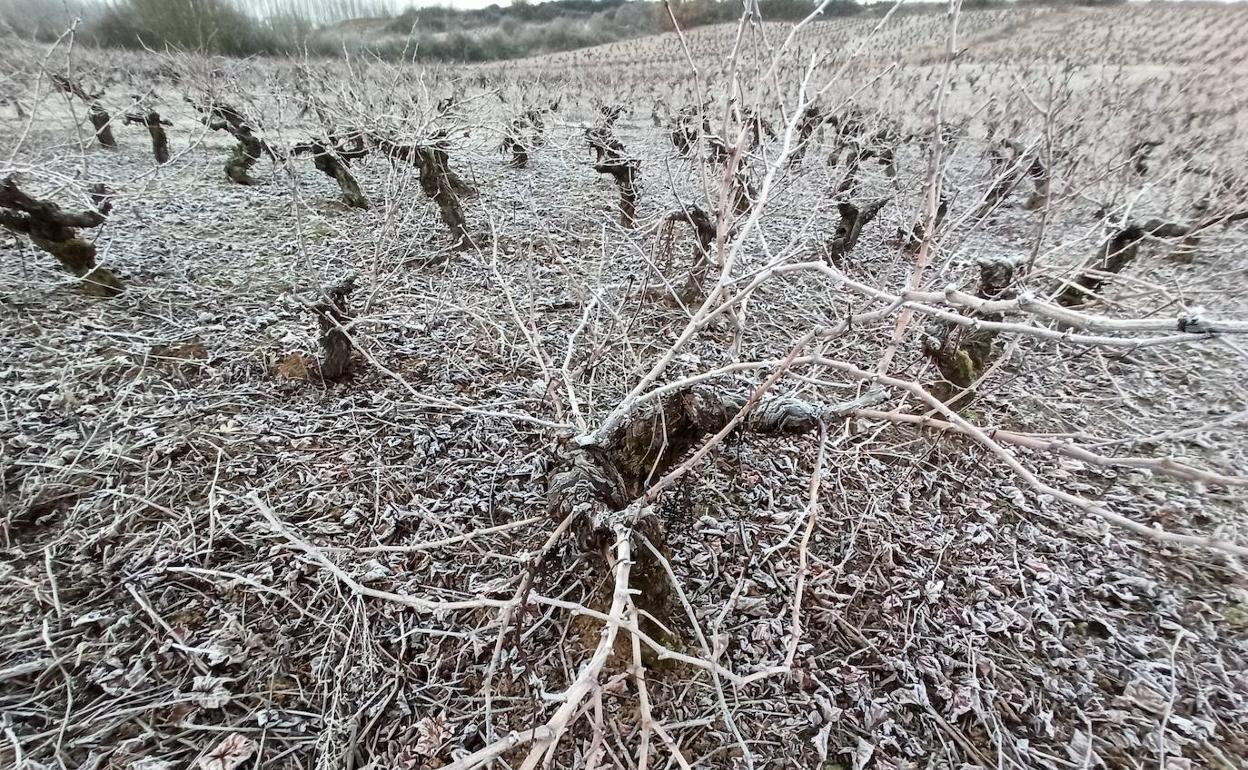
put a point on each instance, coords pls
(293, 367)
(233, 750)
(863, 753)
(821, 741)
(210, 692)
(431, 733)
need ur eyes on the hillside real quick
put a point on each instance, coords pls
(865, 395)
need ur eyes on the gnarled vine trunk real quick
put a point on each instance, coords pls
(56, 232)
(155, 126)
(332, 162)
(600, 483)
(437, 180)
(1123, 247)
(250, 148)
(962, 354)
(854, 217)
(610, 159)
(700, 265)
(333, 314)
(99, 117)
(102, 123)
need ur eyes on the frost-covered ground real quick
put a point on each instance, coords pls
(949, 614)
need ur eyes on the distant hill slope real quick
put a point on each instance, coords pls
(567, 31)
(570, 31)
(1153, 34)
(524, 29)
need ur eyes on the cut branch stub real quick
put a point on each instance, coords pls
(860, 143)
(533, 118)
(333, 314)
(603, 143)
(74, 88)
(55, 231)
